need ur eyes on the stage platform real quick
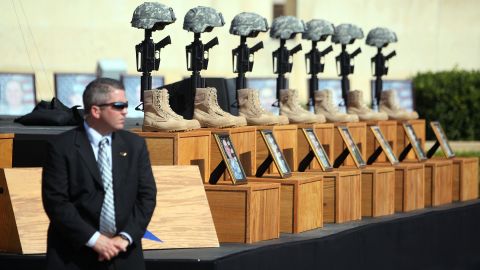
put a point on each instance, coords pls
(446, 237)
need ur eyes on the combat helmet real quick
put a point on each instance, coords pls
(286, 27)
(248, 24)
(202, 19)
(318, 30)
(347, 33)
(380, 37)
(154, 16)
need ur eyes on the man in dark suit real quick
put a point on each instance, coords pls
(98, 188)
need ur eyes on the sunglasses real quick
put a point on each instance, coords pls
(115, 105)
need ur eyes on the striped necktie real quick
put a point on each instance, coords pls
(107, 215)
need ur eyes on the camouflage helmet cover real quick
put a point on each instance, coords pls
(248, 24)
(286, 27)
(202, 19)
(318, 30)
(347, 33)
(151, 15)
(380, 37)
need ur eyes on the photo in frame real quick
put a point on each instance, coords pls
(415, 142)
(276, 153)
(387, 149)
(69, 87)
(232, 162)
(442, 139)
(17, 93)
(352, 146)
(317, 149)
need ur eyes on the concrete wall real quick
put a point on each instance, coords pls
(71, 36)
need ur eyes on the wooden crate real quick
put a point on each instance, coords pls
(244, 141)
(325, 134)
(301, 207)
(6, 150)
(180, 148)
(402, 140)
(359, 135)
(342, 193)
(245, 213)
(378, 191)
(285, 136)
(438, 182)
(465, 178)
(389, 131)
(409, 186)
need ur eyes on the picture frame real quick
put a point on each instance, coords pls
(317, 149)
(352, 147)
(230, 157)
(276, 153)
(442, 139)
(387, 149)
(69, 87)
(414, 141)
(17, 93)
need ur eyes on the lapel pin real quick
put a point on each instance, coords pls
(123, 154)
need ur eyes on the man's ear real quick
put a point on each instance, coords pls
(95, 112)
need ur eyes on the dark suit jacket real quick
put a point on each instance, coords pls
(72, 193)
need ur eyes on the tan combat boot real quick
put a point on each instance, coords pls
(296, 114)
(358, 107)
(252, 110)
(390, 106)
(324, 105)
(208, 112)
(158, 116)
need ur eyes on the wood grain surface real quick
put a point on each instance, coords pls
(438, 182)
(182, 218)
(465, 178)
(6, 150)
(409, 186)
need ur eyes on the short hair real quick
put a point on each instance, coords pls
(97, 92)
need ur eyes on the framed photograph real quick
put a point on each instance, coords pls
(387, 149)
(17, 93)
(132, 85)
(442, 139)
(69, 87)
(352, 146)
(276, 153)
(232, 162)
(416, 145)
(317, 149)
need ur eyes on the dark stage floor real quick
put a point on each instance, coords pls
(446, 237)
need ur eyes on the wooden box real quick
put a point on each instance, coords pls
(409, 186)
(301, 207)
(6, 150)
(325, 134)
(180, 148)
(285, 135)
(245, 213)
(438, 182)
(465, 178)
(342, 195)
(244, 141)
(359, 135)
(402, 139)
(378, 191)
(389, 131)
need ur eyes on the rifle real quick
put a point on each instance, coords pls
(282, 64)
(148, 60)
(197, 58)
(315, 66)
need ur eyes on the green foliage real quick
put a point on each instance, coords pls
(451, 97)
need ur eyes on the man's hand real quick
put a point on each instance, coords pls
(106, 248)
(120, 243)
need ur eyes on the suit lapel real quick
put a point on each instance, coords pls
(119, 160)
(86, 153)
